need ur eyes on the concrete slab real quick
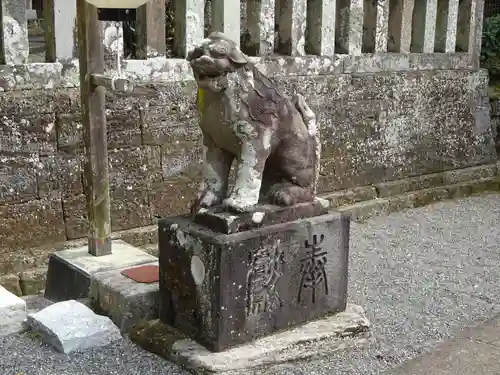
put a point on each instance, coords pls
(12, 313)
(69, 272)
(462, 356)
(124, 300)
(487, 332)
(319, 338)
(474, 351)
(70, 326)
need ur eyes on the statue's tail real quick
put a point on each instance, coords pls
(310, 120)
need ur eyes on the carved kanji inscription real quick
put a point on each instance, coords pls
(312, 268)
(265, 271)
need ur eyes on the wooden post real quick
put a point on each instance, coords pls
(91, 56)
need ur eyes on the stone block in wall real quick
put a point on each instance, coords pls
(160, 132)
(31, 224)
(11, 283)
(32, 282)
(35, 102)
(171, 115)
(129, 209)
(173, 197)
(60, 174)
(23, 259)
(75, 216)
(18, 178)
(124, 117)
(319, 91)
(182, 158)
(120, 132)
(69, 132)
(326, 184)
(28, 134)
(134, 167)
(182, 95)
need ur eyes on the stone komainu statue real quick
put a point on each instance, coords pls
(244, 115)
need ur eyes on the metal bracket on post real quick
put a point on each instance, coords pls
(93, 84)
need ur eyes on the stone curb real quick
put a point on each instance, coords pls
(362, 211)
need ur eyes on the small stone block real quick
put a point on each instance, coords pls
(123, 299)
(68, 276)
(220, 220)
(228, 289)
(344, 330)
(70, 326)
(12, 313)
(143, 274)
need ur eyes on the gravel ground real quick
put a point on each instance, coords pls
(422, 275)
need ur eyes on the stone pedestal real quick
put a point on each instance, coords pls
(70, 271)
(241, 277)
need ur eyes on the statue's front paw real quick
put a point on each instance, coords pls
(209, 199)
(238, 205)
(206, 200)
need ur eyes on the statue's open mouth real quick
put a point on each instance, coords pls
(204, 77)
(210, 80)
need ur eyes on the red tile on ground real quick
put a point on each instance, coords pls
(143, 274)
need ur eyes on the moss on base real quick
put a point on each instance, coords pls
(156, 337)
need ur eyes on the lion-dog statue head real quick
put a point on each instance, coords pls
(215, 58)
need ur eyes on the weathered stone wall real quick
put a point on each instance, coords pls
(377, 126)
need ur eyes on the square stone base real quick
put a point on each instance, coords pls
(224, 290)
(347, 329)
(68, 276)
(124, 300)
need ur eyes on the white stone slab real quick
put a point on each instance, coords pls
(124, 255)
(12, 313)
(70, 326)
